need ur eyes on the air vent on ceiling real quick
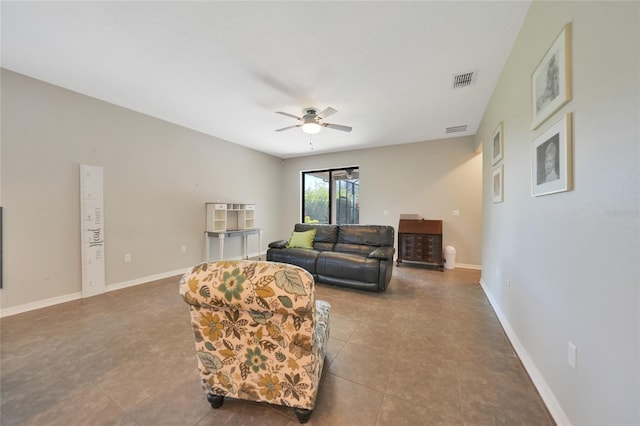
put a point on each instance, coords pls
(464, 79)
(456, 129)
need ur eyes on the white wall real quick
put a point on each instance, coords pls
(572, 258)
(157, 177)
(428, 178)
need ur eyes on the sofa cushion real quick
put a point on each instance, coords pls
(370, 235)
(302, 239)
(349, 266)
(354, 248)
(326, 235)
(305, 258)
(363, 239)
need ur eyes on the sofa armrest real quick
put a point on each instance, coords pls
(279, 244)
(382, 253)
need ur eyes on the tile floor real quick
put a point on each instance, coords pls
(427, 351)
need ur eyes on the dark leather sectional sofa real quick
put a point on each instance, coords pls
(355, 256)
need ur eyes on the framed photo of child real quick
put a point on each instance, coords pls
(497, 184)
(551, 80)
(551, 153)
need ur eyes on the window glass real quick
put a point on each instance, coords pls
(316, 197)
(346, 199)
(331, 196)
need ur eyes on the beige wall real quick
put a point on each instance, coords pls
(428, 178)
(572, 258)
(157, 177)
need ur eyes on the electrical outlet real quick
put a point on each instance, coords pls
(508, 283)
(183, 249)
(455, 213)
(385, 213)
(127, 257)
(572, 355)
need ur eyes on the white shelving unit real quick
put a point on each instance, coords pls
(230, 220)
(223, 217)
(249, 216)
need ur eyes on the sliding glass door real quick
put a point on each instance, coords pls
(331, 196)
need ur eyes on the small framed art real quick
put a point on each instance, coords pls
(551, 168)
(497, 184)
(498, 143)
(551, 80)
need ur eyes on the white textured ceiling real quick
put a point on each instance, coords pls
(224, 68)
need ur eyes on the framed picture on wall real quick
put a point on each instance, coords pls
(551, 80)
(551, 168)
(497, 141)
(497, 184)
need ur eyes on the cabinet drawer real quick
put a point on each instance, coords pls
(413, 257)
(412, 244)
(433, 245)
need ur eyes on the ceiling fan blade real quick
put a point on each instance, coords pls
(337, 127)
(287, 128)
(327, 112)
(288, 115)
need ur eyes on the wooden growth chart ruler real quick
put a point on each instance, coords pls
(92, 230)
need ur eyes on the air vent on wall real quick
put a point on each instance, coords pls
(464, 79)
(456, 129)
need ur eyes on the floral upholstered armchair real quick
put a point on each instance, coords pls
(260, 334)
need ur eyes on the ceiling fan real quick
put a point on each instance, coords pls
(311, 121)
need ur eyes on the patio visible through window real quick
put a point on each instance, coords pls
(331, 196)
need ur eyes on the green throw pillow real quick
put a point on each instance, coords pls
(302, 239)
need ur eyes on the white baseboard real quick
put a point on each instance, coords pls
(78, 295)
(14, 310)
(143, 280)
(468, 266)
(537, 378)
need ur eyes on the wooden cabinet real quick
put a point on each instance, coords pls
(420, 240)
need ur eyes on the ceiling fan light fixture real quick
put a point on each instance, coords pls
(311, 128)
(312, 121)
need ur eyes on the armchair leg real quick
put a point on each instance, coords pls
(302, 414)
(215, 400)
